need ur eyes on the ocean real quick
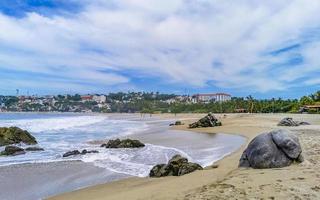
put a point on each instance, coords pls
(58, 133)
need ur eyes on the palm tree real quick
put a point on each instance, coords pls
(251, 103)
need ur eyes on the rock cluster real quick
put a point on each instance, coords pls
(15, 135)
(77, 152)
(14, 150)
(126, 143)
(275, 149)
(290, 122)
(177, 166)
(208, 121)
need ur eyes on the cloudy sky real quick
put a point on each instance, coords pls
(264, 48)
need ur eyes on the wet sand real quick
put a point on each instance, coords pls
(228, 181)
(36, 181)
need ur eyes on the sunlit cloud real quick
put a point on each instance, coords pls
(244, 45)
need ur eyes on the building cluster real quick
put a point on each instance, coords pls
(100, 103)
(201, 98)
(59, 103)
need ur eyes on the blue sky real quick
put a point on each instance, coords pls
(266, 49)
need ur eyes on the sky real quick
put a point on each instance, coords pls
(247, 47)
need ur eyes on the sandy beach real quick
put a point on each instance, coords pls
(299, 181)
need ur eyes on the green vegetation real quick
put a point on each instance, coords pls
(133, 102)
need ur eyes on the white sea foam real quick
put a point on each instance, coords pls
(50, 124)
(134, 162)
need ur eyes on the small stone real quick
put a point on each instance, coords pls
(34, 149)
(71, 153)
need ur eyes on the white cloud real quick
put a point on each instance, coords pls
(177, 40)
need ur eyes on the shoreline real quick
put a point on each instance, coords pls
(158, 134)
(133, 182)
(209, 183)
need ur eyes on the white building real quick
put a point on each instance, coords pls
(99, 98)
(206, 98)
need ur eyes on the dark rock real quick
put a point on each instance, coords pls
(272, 150)
(12, 151)
(178, 123)
(126, 143)
(304, 123)
(287, 122)
(208, 121)
(71, 153)
(103, 145)
(287, 142)
(15, 135)
(177, 166)
(34, 149)
(290, 122)
(83, 152)
(171, 124)
(160, 171)
(187, 168)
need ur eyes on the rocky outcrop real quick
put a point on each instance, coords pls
(15, 135)
(177, 166)
(275, 149)
(288, 121)
(126, 143)
(77, 152)
(12, 151)
(208, 121)
(34, 149)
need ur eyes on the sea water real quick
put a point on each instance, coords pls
(58, 133)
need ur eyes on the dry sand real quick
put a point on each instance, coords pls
(228, 181)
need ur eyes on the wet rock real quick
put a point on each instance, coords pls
(34, 149)
(77, 152)
(177, 166)
(288, 121)
(15, 135)
(126, 143)
(177, 123)
(83, 152)
(304, 123)
(207, 121)
(160, 170)
(12, 151)
(272, 150)
(187, 168)
(71, 153)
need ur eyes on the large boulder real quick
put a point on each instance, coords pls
(177, 166)
(15, 135)
(207, 121)
(275, 149)
(126, 143)
(288, 121)
(12, 151)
